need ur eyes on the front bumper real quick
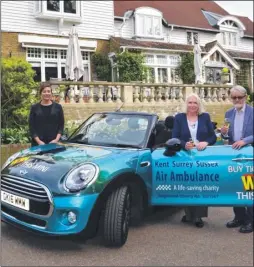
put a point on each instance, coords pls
(56, 223)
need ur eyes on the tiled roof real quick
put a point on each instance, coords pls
(149, 44)
(237, 54)
(182, 13)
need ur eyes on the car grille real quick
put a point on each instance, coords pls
(37, 193)
(23, 217)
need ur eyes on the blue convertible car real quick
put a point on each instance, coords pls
(109, 170)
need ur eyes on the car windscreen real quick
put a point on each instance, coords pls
(113, 129)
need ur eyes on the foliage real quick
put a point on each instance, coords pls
(250, 97)
(131, 67)
(15, 136)
(186, 68)
(102, 66)
(17, 84)
(225, 71)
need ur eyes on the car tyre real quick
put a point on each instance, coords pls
(117, 217)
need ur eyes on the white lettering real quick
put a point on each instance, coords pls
(245, 195)
(250, 169)
(235, 168)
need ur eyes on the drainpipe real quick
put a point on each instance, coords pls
(172, 28)
(60, 25)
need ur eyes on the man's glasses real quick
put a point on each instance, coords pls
(238, 97)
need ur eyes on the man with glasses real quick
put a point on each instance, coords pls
(240, 133)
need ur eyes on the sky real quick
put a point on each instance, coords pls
(241, 8)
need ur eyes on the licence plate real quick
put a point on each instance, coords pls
(16, 201)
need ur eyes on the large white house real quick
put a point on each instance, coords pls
(164, 29)
(38, 30)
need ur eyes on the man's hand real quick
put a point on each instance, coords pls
(238, 144)
(201, 145)
(224, 130)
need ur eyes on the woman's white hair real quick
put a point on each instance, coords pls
(238, 88)
(200, 105)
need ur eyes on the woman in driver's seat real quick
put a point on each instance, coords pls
(194, 128)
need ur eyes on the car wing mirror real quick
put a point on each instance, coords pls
(172, 146)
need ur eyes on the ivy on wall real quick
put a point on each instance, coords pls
(131, 66)
(186, 68)
(102, 66)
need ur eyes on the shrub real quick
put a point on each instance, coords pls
(131, 66)
(15, 136)
(17, 84)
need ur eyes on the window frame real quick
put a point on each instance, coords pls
(140, 26)
(43, 62)
(42, 12)
(192, 37)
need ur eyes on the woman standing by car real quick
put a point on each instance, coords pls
(194, 128)
(46, 119)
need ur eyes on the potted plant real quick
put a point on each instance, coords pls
(225, 75)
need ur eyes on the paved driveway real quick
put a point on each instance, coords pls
(161, 241)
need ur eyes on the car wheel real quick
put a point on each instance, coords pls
(117, 217)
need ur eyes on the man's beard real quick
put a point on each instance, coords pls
(238, 106)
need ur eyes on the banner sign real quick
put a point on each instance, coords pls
(202, 182)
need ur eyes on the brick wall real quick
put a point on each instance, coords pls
(11, 46)
(83, 111)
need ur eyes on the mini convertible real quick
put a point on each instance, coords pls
(114, 166)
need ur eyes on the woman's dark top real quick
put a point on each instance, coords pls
(46, 122)
(205, 131)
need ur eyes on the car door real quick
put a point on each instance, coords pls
(217, 176)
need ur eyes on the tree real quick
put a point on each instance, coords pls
(17, 84)
(131, 67)
(186, 68)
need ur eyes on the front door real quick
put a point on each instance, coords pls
(217, 176)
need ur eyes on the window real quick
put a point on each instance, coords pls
(63, 54)
(161, 60)
(84, 55)
(148, 26)
(66, 6)
(50, 63)
(149, 59)
(33, 52)
(192, 38)
(229, 38)
(50, 53)
(55, 9)
(160, 67)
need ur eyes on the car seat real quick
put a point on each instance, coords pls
(134, 134)
(164, 132)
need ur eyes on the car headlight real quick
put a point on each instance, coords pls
(10, 159)
(80, 177)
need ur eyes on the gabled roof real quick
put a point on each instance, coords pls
(183, 13)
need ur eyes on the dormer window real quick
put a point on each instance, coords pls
(231, 29)
(148, 22)
(229, 38)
